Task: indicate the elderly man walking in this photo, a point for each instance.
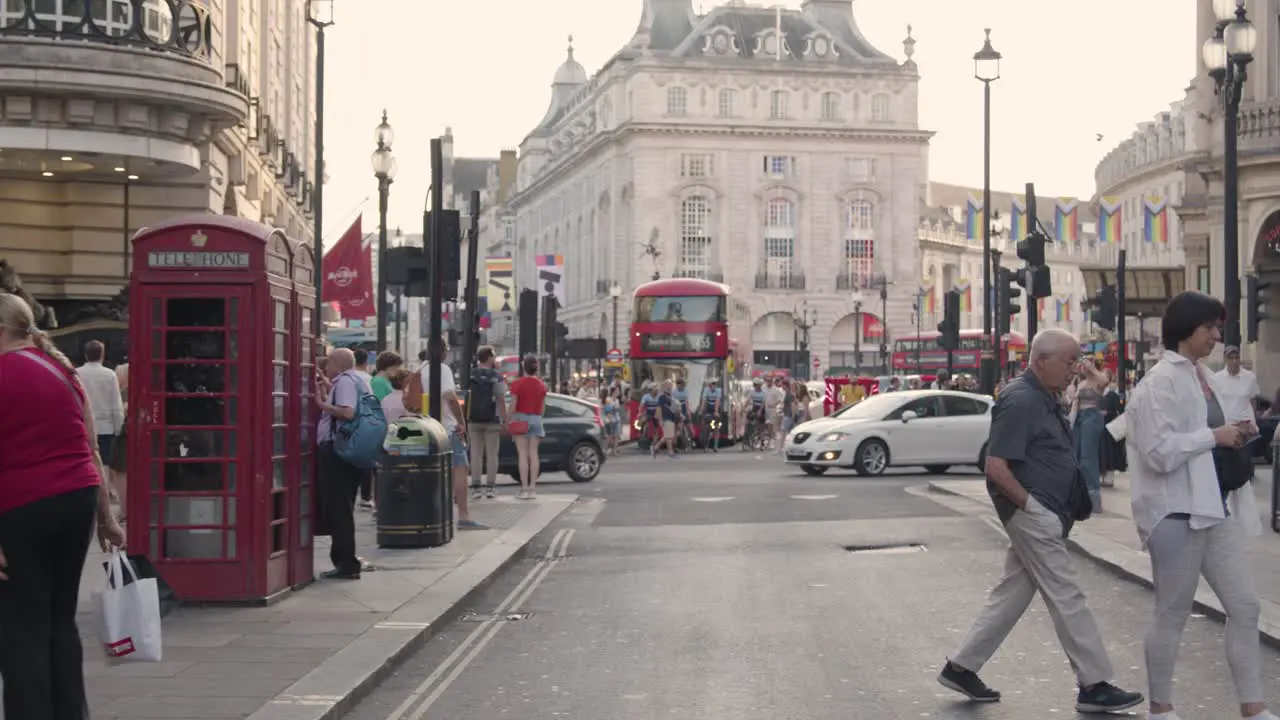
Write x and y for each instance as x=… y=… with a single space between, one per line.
x=1038 y=492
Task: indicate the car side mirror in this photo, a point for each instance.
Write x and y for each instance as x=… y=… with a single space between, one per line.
x=909 y=415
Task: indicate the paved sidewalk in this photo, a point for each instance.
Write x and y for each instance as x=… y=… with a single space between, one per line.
x=1110 y=539
x=310 y=656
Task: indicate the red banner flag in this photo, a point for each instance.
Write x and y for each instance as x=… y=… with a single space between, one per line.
x=348 y=275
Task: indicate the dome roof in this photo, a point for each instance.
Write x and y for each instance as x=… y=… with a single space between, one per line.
x=571 y=72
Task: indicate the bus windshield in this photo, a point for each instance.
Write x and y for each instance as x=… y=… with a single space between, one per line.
x=695 y=371
x=706 y=308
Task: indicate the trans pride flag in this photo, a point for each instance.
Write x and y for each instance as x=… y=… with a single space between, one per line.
x=974 y=217
x=1109 y=208
x=1018 y=219
x=1063 y=314
x=1156 y=227
x=1066 y=221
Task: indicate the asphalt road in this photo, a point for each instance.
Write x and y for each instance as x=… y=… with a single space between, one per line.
x=720 y=588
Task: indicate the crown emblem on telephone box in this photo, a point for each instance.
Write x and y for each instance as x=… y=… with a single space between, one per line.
x=199 y=239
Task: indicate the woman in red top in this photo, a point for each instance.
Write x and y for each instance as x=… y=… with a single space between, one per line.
x=528 y=397
x=50 y=490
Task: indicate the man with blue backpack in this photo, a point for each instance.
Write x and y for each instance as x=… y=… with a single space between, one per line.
x=349 y=438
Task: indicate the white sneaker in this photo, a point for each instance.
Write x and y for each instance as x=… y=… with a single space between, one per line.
x=477 y=494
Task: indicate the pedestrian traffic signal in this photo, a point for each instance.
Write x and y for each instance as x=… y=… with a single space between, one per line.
x=1105 y=307
x=561 y=339
x=1031 y=250
x=949 y=328
x=1257 y=291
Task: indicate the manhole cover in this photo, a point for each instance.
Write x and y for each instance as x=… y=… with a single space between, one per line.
x=887 y=548
x=504 y=617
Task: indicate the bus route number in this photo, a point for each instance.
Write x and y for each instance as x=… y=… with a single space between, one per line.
x=681 y=342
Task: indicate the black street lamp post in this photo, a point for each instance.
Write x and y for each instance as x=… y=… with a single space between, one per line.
x=986 y=67
x=384 y=168
x=1227 y=55
x=320 y=15
x=918 y=308
x=615 y=292
x=804 y=320
x=884 y=324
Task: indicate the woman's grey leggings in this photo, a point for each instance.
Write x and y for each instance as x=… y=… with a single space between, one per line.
x=1179 y=556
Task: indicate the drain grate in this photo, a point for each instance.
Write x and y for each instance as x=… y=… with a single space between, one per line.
x=887 y=548
x=505 y=617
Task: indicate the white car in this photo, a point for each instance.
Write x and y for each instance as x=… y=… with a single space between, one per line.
x=931 y=428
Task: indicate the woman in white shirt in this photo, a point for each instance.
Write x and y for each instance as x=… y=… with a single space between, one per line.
x=1187 y=526
x=393 y=403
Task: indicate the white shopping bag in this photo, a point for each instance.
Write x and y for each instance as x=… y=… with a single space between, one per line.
x=1119 y=428
x=128 y=615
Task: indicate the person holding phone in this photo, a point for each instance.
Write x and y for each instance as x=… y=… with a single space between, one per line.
x=1191 y=523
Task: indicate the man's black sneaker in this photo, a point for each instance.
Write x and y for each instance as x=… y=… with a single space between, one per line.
x=1105 y=697
x=967 y=683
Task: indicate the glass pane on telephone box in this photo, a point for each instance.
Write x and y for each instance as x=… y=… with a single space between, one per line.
x=198 y=449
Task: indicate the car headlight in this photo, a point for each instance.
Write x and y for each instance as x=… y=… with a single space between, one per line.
x=833 y=437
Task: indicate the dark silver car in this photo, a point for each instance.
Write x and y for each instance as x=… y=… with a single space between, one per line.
x=574 y=443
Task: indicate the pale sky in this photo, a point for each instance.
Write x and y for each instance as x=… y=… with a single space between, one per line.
x=484 y=68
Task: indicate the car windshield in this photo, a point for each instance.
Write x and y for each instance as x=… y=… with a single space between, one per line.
x=695 y=372
x=874 y=407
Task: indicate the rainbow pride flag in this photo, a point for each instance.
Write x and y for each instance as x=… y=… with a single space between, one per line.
x=930 y=299
x=966 y=295
x=1156 y=227
x=1063 y=313
x=974 y=217
x=1066 y=221
x=1018 y=219
x=1109 y=209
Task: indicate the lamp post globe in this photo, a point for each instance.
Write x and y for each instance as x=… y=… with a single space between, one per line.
x=986 y=62
x=1225 y=10
x=320 y=12
x=1240 y=39
x=383 y=162
x=615 y=290
x=1214 y=55
x=383 y=135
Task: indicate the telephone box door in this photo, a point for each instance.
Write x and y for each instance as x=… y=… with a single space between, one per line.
x=188 y=379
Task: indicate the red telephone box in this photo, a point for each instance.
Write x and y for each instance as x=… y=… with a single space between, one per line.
x=222 y=418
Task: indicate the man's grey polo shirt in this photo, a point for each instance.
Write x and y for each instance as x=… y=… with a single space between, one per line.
x=1029 y=431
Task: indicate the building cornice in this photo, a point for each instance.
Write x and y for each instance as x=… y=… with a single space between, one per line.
x=1177 y=163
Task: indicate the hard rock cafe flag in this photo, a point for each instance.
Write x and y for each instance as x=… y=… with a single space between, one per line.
x=348 y=275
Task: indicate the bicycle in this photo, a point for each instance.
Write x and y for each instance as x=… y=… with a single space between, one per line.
x=758 y=436
x=709 y=425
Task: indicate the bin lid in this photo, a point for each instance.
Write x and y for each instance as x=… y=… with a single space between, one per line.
x=416 y=432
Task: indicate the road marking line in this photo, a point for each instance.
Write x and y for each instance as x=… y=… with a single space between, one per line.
x=460 y=667
x=711 y=499
x=501 y=610
x=814 y=497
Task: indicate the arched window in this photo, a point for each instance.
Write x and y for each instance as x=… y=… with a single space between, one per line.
x=695 y=238
x=778 y=253
x=859 y=244
x=880 y=107
x=677 y=101
x=830 y=106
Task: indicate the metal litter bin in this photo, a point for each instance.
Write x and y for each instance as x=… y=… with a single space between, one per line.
x=415 y=492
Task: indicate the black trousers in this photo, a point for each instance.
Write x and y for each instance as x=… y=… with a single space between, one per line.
x=339 y=485
x=366 y=486
x=44 y=544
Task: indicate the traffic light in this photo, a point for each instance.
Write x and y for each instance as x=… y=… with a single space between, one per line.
x=1031 y=250
x=949 y=328
x=1259 y=298
x=1008 y=291
x=1105 y=307
x=562 y=338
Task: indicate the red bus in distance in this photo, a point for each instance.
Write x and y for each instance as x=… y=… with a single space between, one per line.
x=966 y=360
x=692 y=329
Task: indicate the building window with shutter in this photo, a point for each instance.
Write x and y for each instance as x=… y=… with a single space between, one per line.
x=830 y=106
x=880 y=107
x=859 y=245
x=695 y=238
x=778 y=105
x=777 y=270
x=727 y=98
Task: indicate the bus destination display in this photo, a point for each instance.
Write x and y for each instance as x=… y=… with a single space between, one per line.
x=677 y=342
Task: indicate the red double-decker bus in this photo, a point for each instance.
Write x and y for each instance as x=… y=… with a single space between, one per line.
x=966 y=359
x=692 y=329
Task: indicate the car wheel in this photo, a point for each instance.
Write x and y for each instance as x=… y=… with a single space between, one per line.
x=982 y=458
x=872 y=458
x=937 y=469
x=814 y=470
x=585 y=460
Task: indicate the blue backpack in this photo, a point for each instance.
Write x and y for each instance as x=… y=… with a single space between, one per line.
x=358 y=441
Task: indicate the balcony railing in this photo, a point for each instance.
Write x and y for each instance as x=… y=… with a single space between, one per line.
x=699 y=274
x=779 y=281
x=1259 y=125
x=182 y=27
